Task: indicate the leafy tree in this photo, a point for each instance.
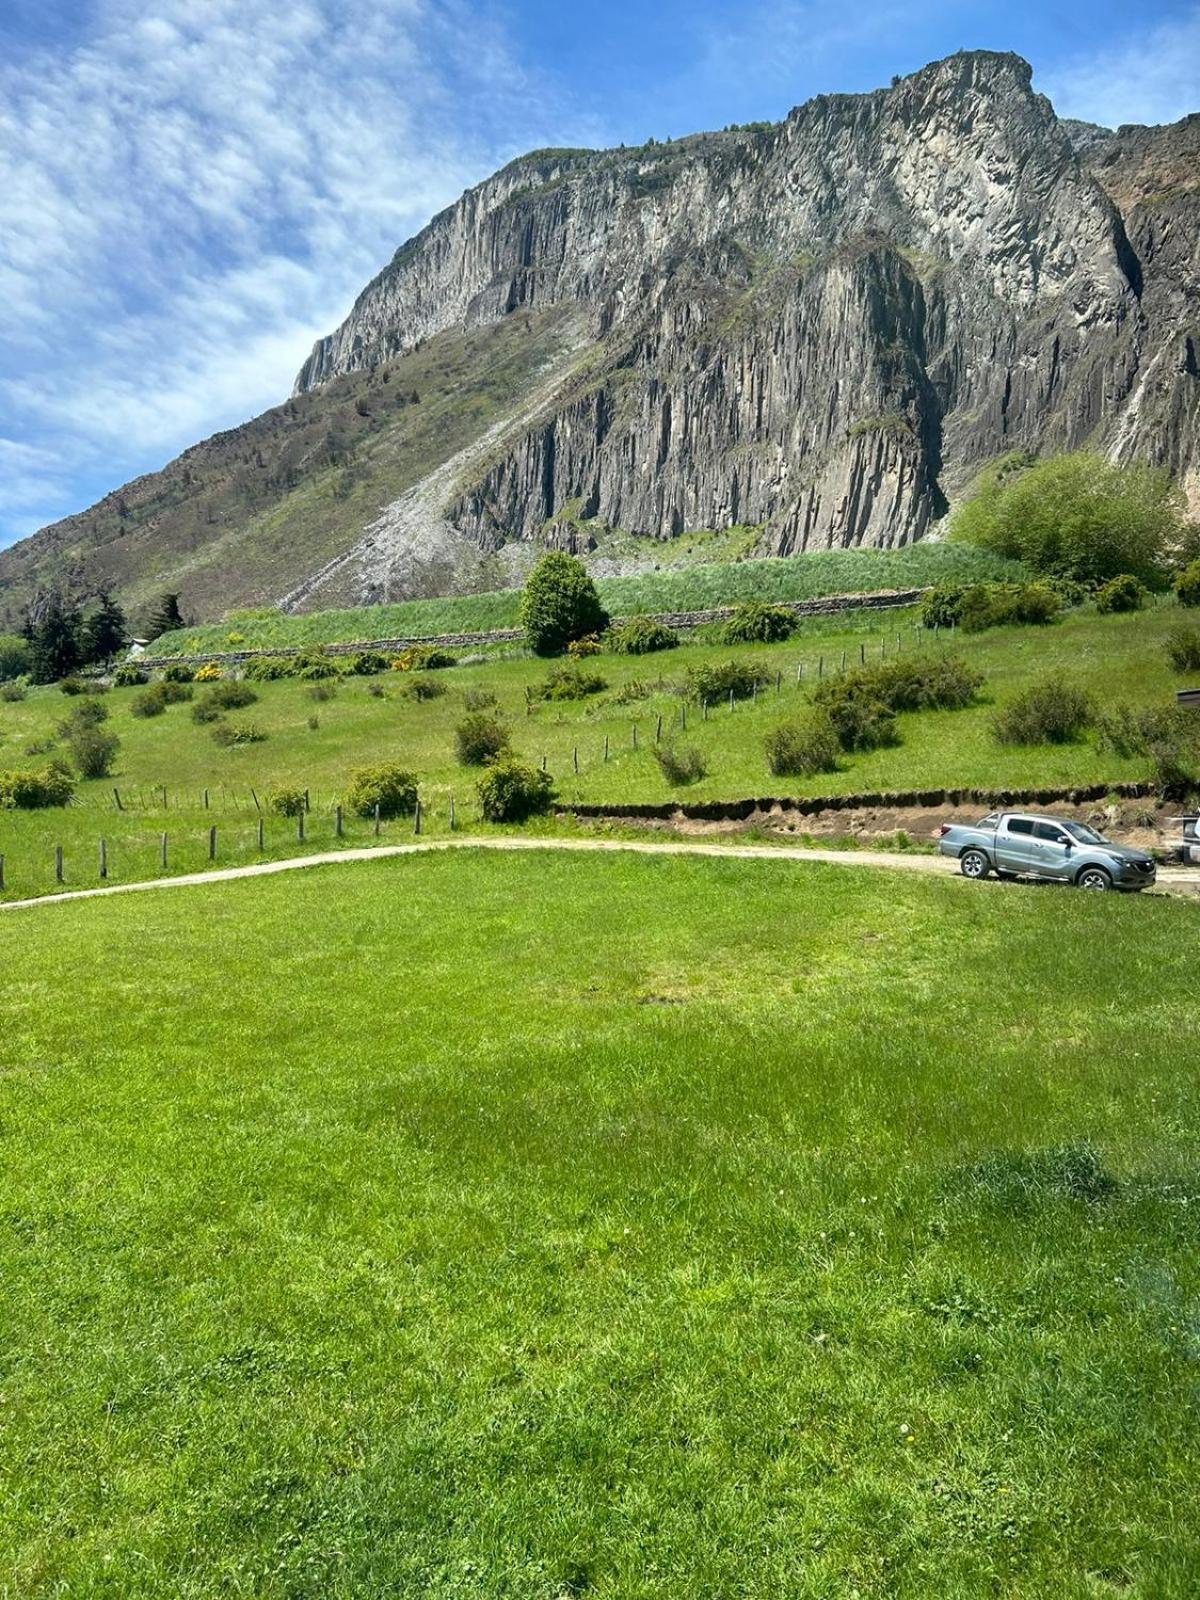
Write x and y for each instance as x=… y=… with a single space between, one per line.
x=559 y=604
x=54 y=650
x=104 y=632
x=1187 y=585
x=14 y=656
x=167 y=617
x=1077 y=516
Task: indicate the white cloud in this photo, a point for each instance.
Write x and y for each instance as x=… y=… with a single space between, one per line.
x=200 y=188
x=1153 y=78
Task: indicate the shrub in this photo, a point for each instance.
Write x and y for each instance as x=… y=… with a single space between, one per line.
x=366 y=664
x=480 y=737
x=14 y=689
x=995 y=605
x=287 y=801
x=559 y=604
x=589 y=645
x=509 y=791
x=753 y=622
x=232 y=735
x=387 y=786
x=73 y=686
x=35 y=791
x=717 y=680
x=312 y=665
x=641 y=636
x=632 y=689
x=93 y=749
x=423 y=658
x=88 y=713
x=1122 y=593
x=942 y=607
x=1051 y=712
x=150 y=703
x=128 y=676
x=269 y=669
x=803 y=747
x=15 y=659
x=322 y=692
x=680 y=766
x=230 y=695
x=862 y=705
x=375 y=690
x=1075 y=516
x=178 y=672
x=570 y=683
x=205 y=711
x=173 y=693
x=479 y=699
x=1183 y=647
x=423 y=688
x=1187 y=585
x=860 y=719
x=210 y=672
x=1168 y=737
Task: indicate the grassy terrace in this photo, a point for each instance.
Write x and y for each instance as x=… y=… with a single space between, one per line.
x=673 y=1228
x=1118 y=658
x=694 y=588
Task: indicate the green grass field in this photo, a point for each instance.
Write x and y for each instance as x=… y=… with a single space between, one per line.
x=540 y=1227
x=690 y=588
x=1118 y=658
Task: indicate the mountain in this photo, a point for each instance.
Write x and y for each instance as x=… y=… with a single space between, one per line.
x=818 y=329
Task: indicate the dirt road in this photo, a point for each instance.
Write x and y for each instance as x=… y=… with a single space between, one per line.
x=1173 y=880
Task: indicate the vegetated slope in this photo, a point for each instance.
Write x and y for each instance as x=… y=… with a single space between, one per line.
x=818 y=329
x=691 y=588
x=726 y=1241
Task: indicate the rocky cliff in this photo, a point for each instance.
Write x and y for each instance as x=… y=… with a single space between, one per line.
x=820 y=328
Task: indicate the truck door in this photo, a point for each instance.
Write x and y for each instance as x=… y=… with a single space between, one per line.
x=1053 y=853
x=1014 y=845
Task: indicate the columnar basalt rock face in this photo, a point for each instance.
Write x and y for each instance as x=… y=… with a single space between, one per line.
x=825 y=326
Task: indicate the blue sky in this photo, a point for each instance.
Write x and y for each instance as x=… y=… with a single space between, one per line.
x=192 y=190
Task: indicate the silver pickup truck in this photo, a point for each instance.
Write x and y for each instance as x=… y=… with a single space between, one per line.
x=1019 y=844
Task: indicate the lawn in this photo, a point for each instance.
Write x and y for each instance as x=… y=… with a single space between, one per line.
x=540 y=1227
x=695 y=587
x=1118 y=658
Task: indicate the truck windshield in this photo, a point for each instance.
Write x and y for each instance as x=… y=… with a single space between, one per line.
x=1084 y=835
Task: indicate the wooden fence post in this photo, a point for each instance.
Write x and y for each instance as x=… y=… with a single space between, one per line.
x=417 y=818
x=633 y=734
x=575 y=758
x=337 y=822
x=117 y=798
x=103 y=859
x=206 y=799
x=704 y=710
x=1 y=874
x=306 y=800
x=452 y=824
x=58 y=863
x=212 y=843
x=658 y=729
x=300 y=825
x=162 y=851
x=862 y=655
x=820 y=666
x=731 y=699
x=377 y=819
x=543 y=763
x=261 y=829
x=843 y=661
x=606 y=747
x=683 y=715
x=254 y=797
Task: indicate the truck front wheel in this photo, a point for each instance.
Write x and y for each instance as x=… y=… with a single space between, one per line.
x=974 y=864
x=1093 y=878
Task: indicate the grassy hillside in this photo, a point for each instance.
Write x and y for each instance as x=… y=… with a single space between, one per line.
x=539 y=1227
x=317 y=743
x=241 y=518
x=696 y=587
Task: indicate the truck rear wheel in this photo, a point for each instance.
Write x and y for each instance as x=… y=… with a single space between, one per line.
x=974 y=864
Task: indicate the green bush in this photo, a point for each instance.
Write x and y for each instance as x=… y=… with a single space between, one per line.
x=1167 y=737
x=1075 y=516
x=88 y=713
x=569 y=683
x=753 y=622
x=803 y=747
x=14 y=689
x=860 y=719
x=681 y=766
x=287 y=801
x=862 y=705
x=72 y=685
x=366 y=664
x=1122 y=593
x=641 y=636
x=15 y=657
x=479 y=738
x=996 y=605
x=152 y=702
x=93 y=749
x=313 y=665
x=173 y=693
x=322 y=692
x=178 y=672
x=35 y=791
x=232 y=735
x=509 y=791
x=479 y=699
x=717 y=680
x=423 y=658
x=230 y=695
x=128 y=676
x=206 y=711
x=387 y=786
x=589 y=645
x=942 y=606
x=1051 y=712
x=1183 y=647
x=559 y=603
x=423 y=688
x=1187 y=585
x=269 y=669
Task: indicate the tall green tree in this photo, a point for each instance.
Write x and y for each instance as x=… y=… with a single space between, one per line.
x=559 y=604
x=54 y=649
x=104 y=632
x=14 y=656
x=167 y=617
x=1076 y=516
